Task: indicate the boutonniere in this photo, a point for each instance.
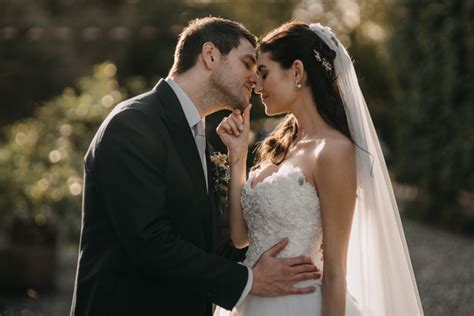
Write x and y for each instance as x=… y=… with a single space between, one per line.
x=221 y=177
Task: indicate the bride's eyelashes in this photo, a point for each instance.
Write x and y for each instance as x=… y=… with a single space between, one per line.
x=262 y=74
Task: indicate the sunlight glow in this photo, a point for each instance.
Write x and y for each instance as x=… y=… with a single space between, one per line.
x=75 y=188
x=107 y=101
x=373 y=31
x=55 y=156
x=65 y=130
x=110 y=70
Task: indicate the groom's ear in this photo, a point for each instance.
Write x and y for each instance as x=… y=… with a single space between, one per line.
x=210 y=55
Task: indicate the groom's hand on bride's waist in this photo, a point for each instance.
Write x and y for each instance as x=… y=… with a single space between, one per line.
x=274 y=276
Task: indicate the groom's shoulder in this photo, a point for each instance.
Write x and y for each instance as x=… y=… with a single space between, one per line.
x=147 y=102
x=146 y=107
x=141 y=111
x=140 y=114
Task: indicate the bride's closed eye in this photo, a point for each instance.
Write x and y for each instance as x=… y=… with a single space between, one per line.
x=262 y=74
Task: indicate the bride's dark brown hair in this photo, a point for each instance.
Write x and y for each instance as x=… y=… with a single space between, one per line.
x=285 y=44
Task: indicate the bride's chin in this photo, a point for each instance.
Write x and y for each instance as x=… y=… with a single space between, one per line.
x=269 y=112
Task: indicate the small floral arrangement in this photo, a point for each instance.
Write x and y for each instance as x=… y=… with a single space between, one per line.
x=221 y=177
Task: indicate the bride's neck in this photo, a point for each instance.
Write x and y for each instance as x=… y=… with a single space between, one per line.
x=310 y=123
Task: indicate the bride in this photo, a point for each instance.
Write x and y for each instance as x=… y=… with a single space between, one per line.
x=320 y=181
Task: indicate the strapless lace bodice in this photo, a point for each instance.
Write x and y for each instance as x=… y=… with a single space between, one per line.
x=284 y=204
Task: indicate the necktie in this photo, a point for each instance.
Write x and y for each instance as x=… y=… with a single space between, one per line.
x=200 y=138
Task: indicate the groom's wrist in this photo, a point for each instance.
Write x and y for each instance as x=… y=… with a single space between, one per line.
x=247 y=288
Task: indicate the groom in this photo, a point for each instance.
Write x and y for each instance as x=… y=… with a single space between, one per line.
x=149 y=233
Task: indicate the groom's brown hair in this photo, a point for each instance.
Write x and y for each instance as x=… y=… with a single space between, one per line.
x=224 y=34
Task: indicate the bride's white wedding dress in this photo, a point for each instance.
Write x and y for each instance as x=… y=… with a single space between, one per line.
x=379 y=270
x=284 y=204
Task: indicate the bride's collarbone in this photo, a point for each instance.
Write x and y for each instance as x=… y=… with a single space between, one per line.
x=269 y=170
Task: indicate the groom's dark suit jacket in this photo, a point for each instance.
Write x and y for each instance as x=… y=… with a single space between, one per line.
x=149 y=236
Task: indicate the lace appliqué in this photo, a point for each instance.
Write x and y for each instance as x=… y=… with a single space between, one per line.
x=284 y=204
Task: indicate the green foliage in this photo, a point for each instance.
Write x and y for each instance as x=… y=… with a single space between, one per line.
x=418 y=88
x=432 y=48
x=41 y=163
x=363 y=27
x=46 y=45
x=56 y=41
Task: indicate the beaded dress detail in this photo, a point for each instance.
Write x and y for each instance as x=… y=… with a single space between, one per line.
x=284 y=204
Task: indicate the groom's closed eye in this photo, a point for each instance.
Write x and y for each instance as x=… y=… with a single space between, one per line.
x=249 y=62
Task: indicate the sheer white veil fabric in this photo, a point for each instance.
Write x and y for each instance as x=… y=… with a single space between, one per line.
x=379 y=270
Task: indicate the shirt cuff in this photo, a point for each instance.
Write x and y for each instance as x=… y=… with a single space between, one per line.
x=247 y=288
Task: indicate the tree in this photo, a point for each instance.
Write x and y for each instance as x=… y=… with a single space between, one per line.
x=432 y=48
x=41 y=163
x=363 y=28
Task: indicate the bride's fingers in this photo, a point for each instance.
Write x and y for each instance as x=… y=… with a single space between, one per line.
x=246 y=115
x=237 y=118
x=224 y=128
x=233 y=125
x=237 y=113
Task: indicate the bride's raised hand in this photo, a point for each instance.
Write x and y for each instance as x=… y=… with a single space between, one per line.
x=234 y=131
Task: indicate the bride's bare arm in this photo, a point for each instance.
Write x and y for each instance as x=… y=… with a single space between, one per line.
x=234 y=133
x=336 y=180
x=237 y=226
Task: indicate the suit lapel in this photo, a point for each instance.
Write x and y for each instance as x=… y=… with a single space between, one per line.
x=182 y=137
x=210 y=170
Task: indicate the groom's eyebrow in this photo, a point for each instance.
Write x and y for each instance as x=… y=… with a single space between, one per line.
x=252 y=59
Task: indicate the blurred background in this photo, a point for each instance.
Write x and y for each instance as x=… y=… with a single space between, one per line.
x=64 y=64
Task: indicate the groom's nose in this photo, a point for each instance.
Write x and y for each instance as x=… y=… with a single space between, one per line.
x=253 y=79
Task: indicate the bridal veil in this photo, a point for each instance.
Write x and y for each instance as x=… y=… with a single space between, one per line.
x=379 y=271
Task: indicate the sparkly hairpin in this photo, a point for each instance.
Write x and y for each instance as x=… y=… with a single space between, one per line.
x=327 y=65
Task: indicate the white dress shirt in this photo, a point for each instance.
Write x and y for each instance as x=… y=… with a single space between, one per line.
x=193 y=118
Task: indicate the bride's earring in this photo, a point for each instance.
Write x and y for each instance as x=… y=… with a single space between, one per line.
x=298 y=85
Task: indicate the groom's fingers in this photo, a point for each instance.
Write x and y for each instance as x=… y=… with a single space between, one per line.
x=277 y=248
x=304 y=268
x=306 y=276
x=305 y=290
x=297 y=261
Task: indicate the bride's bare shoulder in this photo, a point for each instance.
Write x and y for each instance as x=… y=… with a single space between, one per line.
x=333 y=153
x=333 y=148
x=334 y=162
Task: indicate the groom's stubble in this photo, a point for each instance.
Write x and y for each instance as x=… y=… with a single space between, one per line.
x=226 y=89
